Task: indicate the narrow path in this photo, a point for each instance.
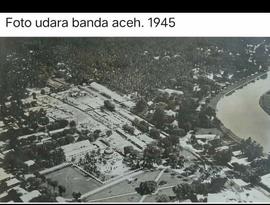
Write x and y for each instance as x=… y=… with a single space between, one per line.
x=115 y=196
x=156 y=180
x=130 y=193
x=84 y=196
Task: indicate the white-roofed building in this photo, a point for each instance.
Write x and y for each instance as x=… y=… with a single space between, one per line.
x=222 y=148
x=20 y=190
x=12 y=182
x=29 y=163
x=171 y=91
x=30 y=195
x=170 y=113
x=207 y=137
x=265 y=179
x=4 y=176
x=237 y=153
x=77 y=150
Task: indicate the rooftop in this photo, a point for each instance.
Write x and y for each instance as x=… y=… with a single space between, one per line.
x=4 y=175
x=77 y=146
x=207 y=136
x=12 y=182
x=240 y=182
x=171 y=91
x=266 y=180
x=29 y=163
x=237 y=153
x=30 y=195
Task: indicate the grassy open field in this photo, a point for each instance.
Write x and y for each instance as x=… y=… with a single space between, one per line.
x=125 y=198
x=73 y=180
x=124 y=187
x=165 y=191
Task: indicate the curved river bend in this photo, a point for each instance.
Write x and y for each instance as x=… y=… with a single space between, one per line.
x=241 y=113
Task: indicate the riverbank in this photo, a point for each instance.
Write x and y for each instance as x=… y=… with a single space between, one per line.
x=231 y=88
x=264 y=102
x=227 y=91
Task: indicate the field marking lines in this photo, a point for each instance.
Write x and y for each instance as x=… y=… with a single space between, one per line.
x=156 y=180
x=110 y=184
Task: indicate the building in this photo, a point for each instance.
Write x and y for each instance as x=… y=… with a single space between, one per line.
x=29 y=163
x=265 y=180
x=239 y=184
x=12 y=182
x=77 y=150
x=57 y=84
x=4 y=176
x=237 y=153
x=30 y=195
x=207 y=137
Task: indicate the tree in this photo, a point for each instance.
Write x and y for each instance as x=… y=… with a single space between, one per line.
x=108 y=133
x=175 y=160
x=34 y=95
x=42 y=92
x=184 y=191
x=128 y=129
x=151 y=155
x=154 y=133
x=128 y=150
x=251 y=149
x=223 y=157
x=76 y=196
x=216 y=185
x=147 y=187
x=141 y=125
x=72 y=124
x=140 y=106
x=109 y=105
x=61 y=190
x=34 y=182
x=158 y=118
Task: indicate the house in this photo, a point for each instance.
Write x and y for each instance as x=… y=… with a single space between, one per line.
x=171 y=91
x=237 y=153
x=30 y=195
x=29 y=163
x=222 y=148
x=265 y=180
x=12 y=182
x=77 y=150
x=207 y=137
x=4 y=176
x=57 y=84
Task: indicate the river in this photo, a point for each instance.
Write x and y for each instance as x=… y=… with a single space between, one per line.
x=241 y=113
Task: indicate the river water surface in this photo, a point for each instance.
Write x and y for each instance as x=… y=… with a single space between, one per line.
x=241 y=113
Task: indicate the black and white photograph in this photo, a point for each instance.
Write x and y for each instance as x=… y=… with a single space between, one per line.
x=134 y=119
